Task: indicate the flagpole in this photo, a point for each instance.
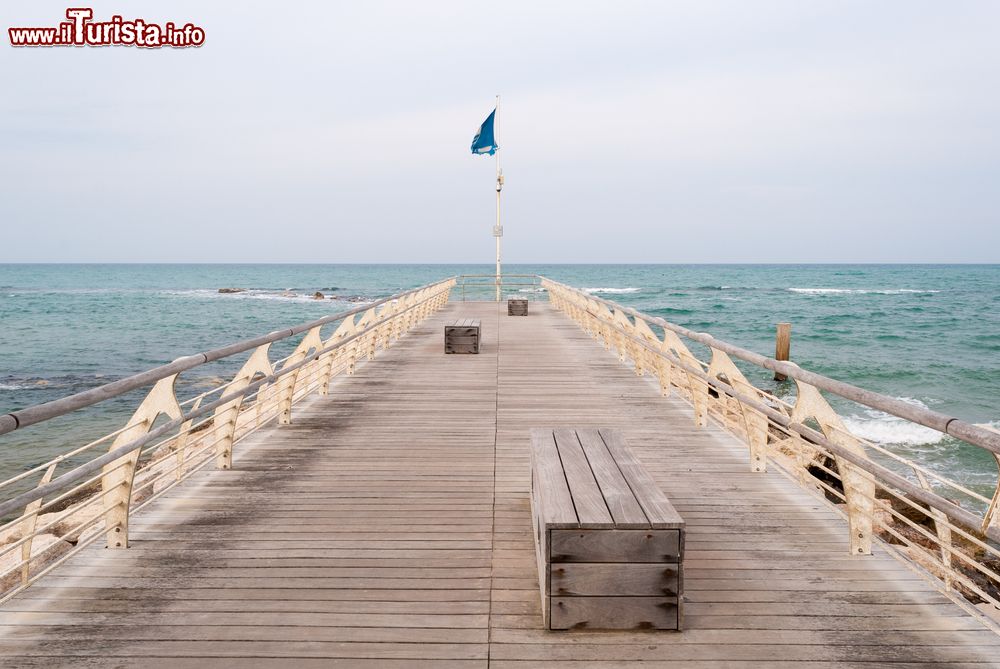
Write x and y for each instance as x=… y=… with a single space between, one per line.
x=498 y=229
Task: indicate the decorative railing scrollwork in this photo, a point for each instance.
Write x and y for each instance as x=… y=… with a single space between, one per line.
x=912 y=508
x=47 y=523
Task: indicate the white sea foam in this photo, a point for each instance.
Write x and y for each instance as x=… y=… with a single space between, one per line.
x=13 y=386
x=861 y=291
x=252 y=294
x=882 y=428
x=613 y=291
x=531 y=290
x=70 y=291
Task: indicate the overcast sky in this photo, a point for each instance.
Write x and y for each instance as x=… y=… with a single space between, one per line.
x=337 y=131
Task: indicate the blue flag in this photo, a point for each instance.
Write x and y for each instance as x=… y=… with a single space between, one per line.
x=484 y=141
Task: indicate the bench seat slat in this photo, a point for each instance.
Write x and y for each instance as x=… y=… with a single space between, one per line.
x=556 y=502
x=659 y=510
x=618 y=496
x=587 y=496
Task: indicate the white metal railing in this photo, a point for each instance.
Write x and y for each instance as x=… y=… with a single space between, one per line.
x=915 y=511
x=483 y=286
x=45 y=524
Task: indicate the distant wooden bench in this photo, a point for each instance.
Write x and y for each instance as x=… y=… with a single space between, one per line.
x=608 y=542
x=462 y=336
x=517 y=307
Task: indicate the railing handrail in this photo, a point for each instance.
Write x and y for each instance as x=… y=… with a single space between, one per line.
x=493 y=276
x=935 y=420
x=932 y=499
x=145 y=459
x=953 y=546
x=42 y=412
x=91 y=466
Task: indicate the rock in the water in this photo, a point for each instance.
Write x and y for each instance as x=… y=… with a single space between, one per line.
x=226 y=291
x=318 y=296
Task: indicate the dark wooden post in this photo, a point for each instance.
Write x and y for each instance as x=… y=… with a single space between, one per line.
x=782 y=346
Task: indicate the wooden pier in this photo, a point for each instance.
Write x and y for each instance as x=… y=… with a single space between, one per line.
x=389 y=525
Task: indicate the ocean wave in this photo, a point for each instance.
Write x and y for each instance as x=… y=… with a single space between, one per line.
x=881 y=428
x=70 y=382
x=277 y=296
x=861 y=291
x=40 y=384
x=353 y=299
x=612 y=291
x=531 y=290
x=16 y=290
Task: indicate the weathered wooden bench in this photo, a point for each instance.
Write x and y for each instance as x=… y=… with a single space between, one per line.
x=462 y=336
x=517 y=307
x=608 y=542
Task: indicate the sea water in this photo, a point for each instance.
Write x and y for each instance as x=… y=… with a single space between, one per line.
x=927 y=334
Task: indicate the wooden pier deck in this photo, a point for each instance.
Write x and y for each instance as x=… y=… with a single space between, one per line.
x=389 y=526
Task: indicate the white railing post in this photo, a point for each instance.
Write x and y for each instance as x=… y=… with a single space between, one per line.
x=119 y=475
x=226 y=416
x=754 y=422
x=286 y=384
x=180 y=453
x=859 y=490
x=943 y=531
x=346 y=329
x=28 y=526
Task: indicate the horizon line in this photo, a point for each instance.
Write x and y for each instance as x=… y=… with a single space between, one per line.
x=490 y=264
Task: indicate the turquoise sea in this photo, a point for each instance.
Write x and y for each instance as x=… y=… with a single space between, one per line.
x=929 y=334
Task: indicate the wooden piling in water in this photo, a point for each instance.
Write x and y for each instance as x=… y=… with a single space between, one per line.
x=782 y=346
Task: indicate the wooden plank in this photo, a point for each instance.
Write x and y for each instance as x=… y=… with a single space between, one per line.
x=587 y=498
x=628 y=580
x=614 y=545
x=541 y=535
x=614 y=613
x=659 y=510
x=552 y=489
x=618 y=496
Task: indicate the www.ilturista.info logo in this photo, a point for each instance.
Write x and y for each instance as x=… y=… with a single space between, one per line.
x=81 y=30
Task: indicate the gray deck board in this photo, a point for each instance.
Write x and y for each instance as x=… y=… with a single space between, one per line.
x=390 y=526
